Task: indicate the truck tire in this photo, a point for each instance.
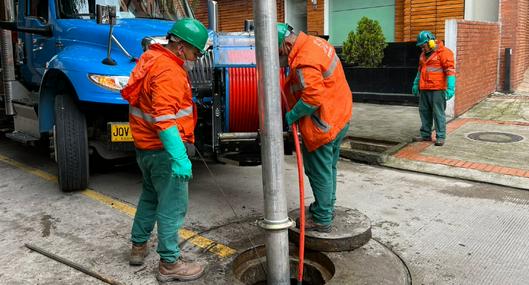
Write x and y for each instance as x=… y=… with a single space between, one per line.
x=71 y=144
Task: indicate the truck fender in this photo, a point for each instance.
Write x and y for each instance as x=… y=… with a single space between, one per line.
x=53 y=82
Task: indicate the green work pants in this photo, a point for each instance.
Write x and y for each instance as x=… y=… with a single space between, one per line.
x=432 y=105
x=163 y=200
x=320 y=167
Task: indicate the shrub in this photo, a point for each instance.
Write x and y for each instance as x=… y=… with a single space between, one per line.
x=365 y=47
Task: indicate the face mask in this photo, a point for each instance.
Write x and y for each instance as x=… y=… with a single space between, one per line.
x=189 y=65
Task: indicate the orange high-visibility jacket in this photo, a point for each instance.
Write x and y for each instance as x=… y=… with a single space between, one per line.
x=317 y=78
x=159 y=95
x=436 y=68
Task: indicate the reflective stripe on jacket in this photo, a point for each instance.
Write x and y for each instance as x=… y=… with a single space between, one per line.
x=317 y=78
x=159 y=95
x=436 y=68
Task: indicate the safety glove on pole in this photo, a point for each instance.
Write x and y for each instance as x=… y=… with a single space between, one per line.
x=301 y=109
x=415 y=88
x=173 y=144
x=450 y=87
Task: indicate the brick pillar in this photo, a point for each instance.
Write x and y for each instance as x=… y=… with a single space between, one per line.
x=315 y=18
x=399 y=20
x=508 y=14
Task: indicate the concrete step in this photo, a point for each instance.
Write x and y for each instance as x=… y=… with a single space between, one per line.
x=367 y=150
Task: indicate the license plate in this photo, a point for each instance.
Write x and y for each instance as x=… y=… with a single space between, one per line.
x=120 y=132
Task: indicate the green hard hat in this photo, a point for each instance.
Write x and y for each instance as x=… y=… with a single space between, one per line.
x=191 y=31
x=283 y=30
x=423 y=37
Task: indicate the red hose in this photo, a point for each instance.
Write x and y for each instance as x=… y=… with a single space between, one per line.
x=301 y=205
x=242 y=93
x=301 y=196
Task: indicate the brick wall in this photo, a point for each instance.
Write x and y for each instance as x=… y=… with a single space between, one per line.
x=514 y=19
x=477 y=63
x=315 y=18
x=232 y=13
x=522 y=45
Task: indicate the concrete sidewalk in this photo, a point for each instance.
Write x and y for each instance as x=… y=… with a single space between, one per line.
x=489 y=143
x=384 y=122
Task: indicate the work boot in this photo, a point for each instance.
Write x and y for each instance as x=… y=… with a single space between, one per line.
x=179 y=271
x=138 y=254
x=439 y=142
x=421 y=139
x=311 y=225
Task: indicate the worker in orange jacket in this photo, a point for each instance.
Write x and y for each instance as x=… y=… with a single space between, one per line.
x=321 y=101
x=162 y=119
x=435 y=84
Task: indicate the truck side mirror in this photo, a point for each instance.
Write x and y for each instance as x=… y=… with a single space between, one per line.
x=105 y=14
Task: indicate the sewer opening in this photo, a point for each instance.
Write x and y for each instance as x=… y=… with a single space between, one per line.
x=366 y=144
x=249 y=267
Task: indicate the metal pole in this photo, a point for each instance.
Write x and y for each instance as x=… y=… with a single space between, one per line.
x=276 y=220
x=213 y=15
x=73 y=265
x=8 y=70
x=507 y=81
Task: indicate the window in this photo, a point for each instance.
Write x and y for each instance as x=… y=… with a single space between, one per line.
x=38 y=9
x=155 y=9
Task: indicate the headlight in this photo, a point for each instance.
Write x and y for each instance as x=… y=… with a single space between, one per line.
x=115 y=83
x=147 y=41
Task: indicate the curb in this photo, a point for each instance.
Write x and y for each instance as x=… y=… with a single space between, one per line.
x=457 y=172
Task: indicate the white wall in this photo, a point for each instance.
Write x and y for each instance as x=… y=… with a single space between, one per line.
x=481 y=10
x=296 y=14
x=451 y=43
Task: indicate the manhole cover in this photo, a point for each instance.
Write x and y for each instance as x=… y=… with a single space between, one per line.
x=495 y=137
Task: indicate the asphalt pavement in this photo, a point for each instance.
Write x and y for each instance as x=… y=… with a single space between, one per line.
x=447 y=228
x=448 y=231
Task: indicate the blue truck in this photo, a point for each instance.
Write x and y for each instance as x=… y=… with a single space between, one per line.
x=64 y=63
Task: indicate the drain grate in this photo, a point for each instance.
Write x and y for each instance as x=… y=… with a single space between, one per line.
x=495 y=137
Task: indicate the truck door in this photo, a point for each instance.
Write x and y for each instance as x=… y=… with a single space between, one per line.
x=39 y=49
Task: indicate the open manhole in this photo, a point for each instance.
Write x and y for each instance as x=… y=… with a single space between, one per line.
x=495 y=137
x=249 y=267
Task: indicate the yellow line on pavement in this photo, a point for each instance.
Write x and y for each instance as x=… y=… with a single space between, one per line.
x=194 y=238
x=116 y=204
x=27 y=168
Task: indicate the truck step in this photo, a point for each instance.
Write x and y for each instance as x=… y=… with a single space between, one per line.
x=22 y=137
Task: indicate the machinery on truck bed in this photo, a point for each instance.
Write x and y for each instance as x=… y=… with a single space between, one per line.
x=64 y=63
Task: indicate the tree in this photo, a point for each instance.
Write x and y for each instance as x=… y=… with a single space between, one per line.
x=365 y=47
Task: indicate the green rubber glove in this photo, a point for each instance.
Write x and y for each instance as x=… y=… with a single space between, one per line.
x=301 y=109
x=173 y=144
x=450 y=87
x=415 y=88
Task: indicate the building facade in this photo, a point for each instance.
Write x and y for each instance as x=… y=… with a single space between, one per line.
x=401 y=21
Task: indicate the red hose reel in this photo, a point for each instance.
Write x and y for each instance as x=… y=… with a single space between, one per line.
x=242 y=102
